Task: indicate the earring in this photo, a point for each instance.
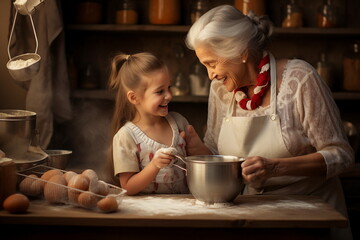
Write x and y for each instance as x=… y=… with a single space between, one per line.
x=243 y=61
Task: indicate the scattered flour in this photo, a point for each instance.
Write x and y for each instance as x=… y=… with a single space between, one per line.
x=151 y=205
x=19 y=64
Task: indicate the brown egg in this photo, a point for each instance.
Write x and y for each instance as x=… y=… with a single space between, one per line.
x=79 y=182
x=16 y=203
x=90 y=174
x=87 y=200
x=48 y=174
x=99 y=187
x=31 y=186
x=55 y=190
x=108 y=204
x=68 y=175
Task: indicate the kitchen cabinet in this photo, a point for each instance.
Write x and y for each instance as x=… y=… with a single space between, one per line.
x=180 y=217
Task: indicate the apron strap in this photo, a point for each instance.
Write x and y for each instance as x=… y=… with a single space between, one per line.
x=273 y=86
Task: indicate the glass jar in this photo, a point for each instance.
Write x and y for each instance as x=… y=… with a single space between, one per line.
x=181 y=85
x=126 y=13
x=327 y=15
x=164 y=11
x=245 y=6
x=199 y=7
x=293 y=15
x=89 y=78
x=199 y=80
x=352 y=69
x=89 y=12
x=325 y=71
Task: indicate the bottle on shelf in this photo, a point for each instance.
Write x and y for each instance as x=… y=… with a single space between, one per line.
x=199 y=7
x=245 y=6
x=327 y=15
x=293 y=15
x=89 y=78
x=180 y=87
x=352 y=69
x=164 y=12
x=199 y=80
x=324 y=69
x=89 y=12
x=126 y=12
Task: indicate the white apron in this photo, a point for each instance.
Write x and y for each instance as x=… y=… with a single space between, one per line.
x=261 y=136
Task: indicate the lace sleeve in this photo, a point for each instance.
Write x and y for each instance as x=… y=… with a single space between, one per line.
x=321 y=122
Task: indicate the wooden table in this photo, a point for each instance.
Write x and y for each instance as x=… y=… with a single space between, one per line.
x=174 y=217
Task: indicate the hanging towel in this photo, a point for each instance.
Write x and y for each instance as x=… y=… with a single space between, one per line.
x=49 y=91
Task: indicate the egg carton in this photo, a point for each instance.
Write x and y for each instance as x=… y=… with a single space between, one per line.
x=31 y=184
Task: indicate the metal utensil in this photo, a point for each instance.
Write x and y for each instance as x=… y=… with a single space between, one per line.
x=25 y=66
x=213 y=178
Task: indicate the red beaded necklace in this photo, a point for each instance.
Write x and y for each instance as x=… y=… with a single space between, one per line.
x=262 y=84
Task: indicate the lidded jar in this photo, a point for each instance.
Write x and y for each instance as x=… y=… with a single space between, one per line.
x=199 y=7
x=164 y=11
x=324 y=69
x=293 y=16
x=126 y=12
x=352 y=69
x=327 y=15
x=89 y=12
x=245 y=6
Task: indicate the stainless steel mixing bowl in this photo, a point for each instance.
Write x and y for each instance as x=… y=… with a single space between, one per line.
x=17 y=129
x=214 y=178
x=58 y=158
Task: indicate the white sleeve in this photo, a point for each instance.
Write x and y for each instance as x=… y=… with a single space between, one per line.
x=125 y=152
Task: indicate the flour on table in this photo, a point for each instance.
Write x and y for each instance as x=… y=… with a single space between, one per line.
x=187 y=206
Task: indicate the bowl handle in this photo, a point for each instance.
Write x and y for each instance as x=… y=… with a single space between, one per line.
x=182 y=159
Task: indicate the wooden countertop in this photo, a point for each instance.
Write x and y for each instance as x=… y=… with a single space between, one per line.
x=257 y=211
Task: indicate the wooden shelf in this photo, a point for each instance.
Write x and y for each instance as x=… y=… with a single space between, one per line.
x=185 y=28
x=107 y=95
x=346 y=95
x=128 y=28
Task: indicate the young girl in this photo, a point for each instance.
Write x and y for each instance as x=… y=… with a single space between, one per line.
x=146 y=135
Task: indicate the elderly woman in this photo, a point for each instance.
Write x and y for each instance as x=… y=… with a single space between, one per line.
x=279 y=114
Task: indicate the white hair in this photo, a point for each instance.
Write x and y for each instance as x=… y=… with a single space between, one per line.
x=229 y=32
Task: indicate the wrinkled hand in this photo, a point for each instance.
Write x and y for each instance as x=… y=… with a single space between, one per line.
x=163 y=157
x=256 y=170
x=194 y=145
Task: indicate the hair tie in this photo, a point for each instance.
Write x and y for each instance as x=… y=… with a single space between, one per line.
x=253 y=18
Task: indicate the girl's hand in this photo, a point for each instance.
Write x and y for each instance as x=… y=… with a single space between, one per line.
x=194 y=145
x=256 y=170
x=163 y=157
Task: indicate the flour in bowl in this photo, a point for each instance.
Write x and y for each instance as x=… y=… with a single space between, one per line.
x=20 y=63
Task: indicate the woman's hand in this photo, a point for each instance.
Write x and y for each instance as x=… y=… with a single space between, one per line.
x=258 y=170
x=194 y=145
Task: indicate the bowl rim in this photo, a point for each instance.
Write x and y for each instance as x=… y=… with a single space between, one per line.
x=37 y=60
x=28 y=114
x=57 y=152
x=225 y=159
